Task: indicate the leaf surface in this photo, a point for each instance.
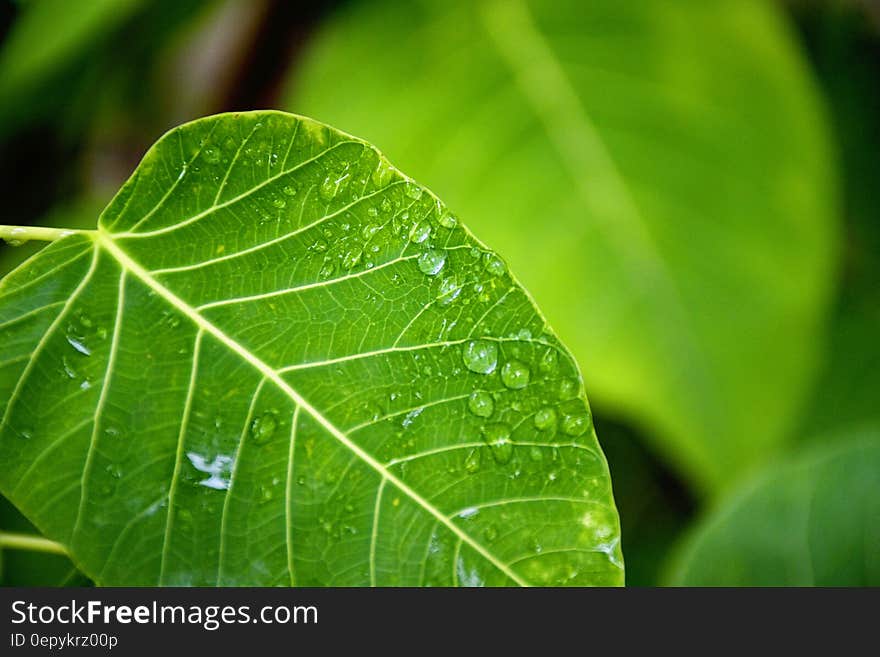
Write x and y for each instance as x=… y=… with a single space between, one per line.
x=813 y=521
x=658 y=173
x=280 y=361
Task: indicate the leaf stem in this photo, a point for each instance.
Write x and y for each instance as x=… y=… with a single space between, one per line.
x=40 y=233
x=30 y=542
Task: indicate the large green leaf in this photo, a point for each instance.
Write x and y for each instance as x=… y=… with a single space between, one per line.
x=657 y=172
x=280 y=361
x=814 y=521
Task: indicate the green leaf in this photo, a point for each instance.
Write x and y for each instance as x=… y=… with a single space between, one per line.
x=814 y=521
x=280 y=361
x=657 y=172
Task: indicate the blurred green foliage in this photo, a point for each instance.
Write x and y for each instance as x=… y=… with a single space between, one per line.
x=727 y=327
x=658 y=173
x=812 y=521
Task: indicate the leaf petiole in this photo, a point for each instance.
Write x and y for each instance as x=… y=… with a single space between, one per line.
x=30 y=542
x=21 y=234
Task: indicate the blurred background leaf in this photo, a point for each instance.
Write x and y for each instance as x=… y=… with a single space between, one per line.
x=812 y=521
x=845 y=48
x=670 y=165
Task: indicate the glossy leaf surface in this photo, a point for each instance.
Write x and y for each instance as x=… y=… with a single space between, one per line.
x=280 y=361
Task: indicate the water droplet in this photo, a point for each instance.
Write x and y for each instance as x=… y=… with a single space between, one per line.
x=279 y=202
x=301 y=480
x=515 y=374
x=449 y=290
x=352 y=258
x=266 y=493
x=491 y=533
x=211 y=155
x=382 y=174
x=576 y=422
x=410 y=417
x=493 y=265
x=535 y=453
x=469 y=512
x=472 y=461
x=431 y=261
x=218 y=469
x=497 y=437
x=289 y=190
x=549 y=361
x=327 y=270
x=420 y=232
x=114 y=470
x=448 y=221
x=480 y=356
x=332 y=183
x=263 y=428
x=68 y=369
x=481 y=404
x=568 y=388
x=369 y=230
x=545 y=418
x=412 y=190
x=77 y=344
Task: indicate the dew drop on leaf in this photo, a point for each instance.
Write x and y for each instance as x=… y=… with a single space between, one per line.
x=481 y=404
x=263 y=428
x=352 y=258
x=497 y=437
x=420 y=232
x=493 y=265
x=549 y=361
x=448 y=221
x=431 y=262
x=413 y=191
x=568 y=388
x=382 y=174
x=480 y=356
x=370 y=229
x=449 y=290
x=545 y=418
x=211 y=155
x=575 y=423
x=515 y=374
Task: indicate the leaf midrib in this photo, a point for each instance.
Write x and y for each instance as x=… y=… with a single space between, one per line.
x=106 y=241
